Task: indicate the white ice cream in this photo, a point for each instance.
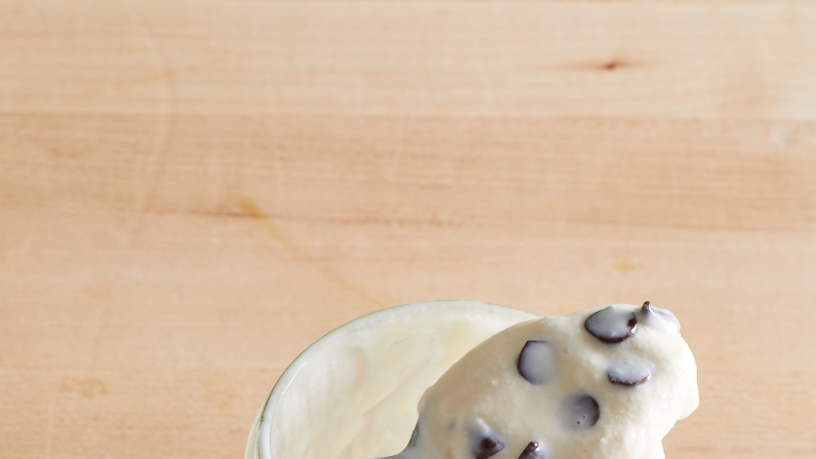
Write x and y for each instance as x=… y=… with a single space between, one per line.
x=608 y=385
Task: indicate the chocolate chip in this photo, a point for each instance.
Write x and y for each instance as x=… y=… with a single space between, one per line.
x=581 y=412
x=536 y=362
x=487 y=447
x=612 y=324
x=661 y=319
x=531 y=452
x=628 y=376
x=414 y=436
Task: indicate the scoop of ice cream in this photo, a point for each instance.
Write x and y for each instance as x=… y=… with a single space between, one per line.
x=603 y=383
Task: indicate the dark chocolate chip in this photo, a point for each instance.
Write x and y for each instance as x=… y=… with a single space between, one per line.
x=581 y=412
x=487 y=447
x=661 y=319
x=612 y=324
x=531 y=452
x=414 y=436
x=627 y=376
x=536 y=361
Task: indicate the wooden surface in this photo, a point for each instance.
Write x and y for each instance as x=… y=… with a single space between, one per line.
x=192 y=192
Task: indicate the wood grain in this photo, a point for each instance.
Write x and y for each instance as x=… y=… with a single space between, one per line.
x=192 y=192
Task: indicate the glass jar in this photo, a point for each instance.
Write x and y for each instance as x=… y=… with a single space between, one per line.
x=353 y=393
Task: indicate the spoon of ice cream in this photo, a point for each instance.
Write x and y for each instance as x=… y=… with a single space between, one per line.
x=606 y=383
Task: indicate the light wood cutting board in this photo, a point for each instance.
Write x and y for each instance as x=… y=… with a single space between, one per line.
x=191 y=192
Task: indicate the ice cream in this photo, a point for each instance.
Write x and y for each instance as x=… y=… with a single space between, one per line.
x=603 y=383
x=607 y=383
